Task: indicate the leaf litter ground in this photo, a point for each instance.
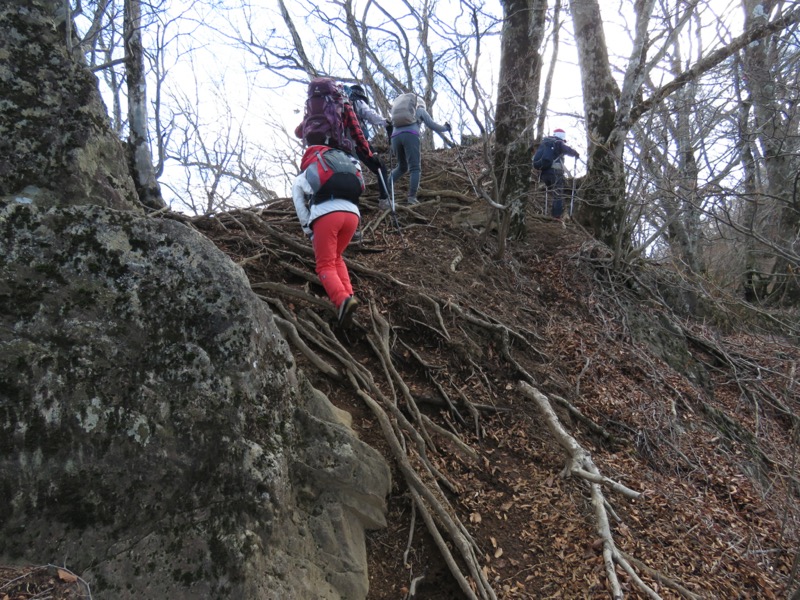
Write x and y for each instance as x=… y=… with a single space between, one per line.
x=718 y=510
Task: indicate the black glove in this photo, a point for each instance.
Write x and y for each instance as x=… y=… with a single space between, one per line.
x=448 y=127
x=374 y=163
x=389 y=128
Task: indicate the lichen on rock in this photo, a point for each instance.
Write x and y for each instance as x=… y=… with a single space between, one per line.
x=155 y=428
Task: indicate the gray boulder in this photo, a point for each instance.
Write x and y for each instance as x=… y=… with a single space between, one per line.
x=156 y=436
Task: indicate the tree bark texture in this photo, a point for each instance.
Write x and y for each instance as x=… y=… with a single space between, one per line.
x=777 y=139
x=141 y=159
x=520 y=69
x=603 y=190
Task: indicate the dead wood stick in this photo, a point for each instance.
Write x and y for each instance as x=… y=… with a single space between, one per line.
x=250 y=259
x=452 y=437
x=289 y=240
x=417 y=487
x=444 y=550
x=420 y=435
x=287 y=290
x=480 y=407
x=303 y=327
x=575 y=412
x=384 y=363
x=410 y=534
x=604 y=530
x=432 y=495
x=438 y=312
x=472 y=408
x=380 y=328
x=305 y=274
x=580 y=462
x=450 y=405
x=502 y=331
x=660 y=577
x=359 y=268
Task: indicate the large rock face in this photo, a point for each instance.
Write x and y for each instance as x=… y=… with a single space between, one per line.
x=155 y=433
x=56 y=142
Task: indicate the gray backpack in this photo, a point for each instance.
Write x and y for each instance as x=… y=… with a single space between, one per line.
x=404 y=110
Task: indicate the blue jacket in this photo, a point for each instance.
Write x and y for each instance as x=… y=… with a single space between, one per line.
x=561 y=148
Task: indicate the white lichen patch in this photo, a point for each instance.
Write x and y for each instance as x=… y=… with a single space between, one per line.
x=139 y=429
x=94 y=413
x=114 y=239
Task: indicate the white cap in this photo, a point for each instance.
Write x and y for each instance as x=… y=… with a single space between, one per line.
x=560 y=134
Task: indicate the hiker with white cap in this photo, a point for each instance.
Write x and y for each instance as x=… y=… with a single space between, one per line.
x=549 y=161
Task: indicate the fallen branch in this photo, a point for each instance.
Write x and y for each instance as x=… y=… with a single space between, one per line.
x=580 y=464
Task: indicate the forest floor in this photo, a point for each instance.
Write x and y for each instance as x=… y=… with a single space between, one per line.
x=709 y=451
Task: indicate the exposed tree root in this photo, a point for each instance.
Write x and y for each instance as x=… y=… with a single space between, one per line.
x=400 y=379
x=580 y=464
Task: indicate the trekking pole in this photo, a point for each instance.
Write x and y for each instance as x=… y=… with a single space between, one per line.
x=545 y=200
x=574 y=176
x=392 y=212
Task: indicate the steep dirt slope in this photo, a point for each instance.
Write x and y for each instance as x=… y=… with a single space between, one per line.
x=707 y=447
x=695 y=421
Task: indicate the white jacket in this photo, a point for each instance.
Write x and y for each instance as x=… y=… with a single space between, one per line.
x=367 y=115
x=302 y=193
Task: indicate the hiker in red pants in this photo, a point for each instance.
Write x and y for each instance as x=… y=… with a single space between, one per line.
x=325 y=198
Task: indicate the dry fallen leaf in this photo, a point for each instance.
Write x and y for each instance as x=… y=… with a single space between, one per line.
x=498 y=553
x=475 y=518
x=67 y=576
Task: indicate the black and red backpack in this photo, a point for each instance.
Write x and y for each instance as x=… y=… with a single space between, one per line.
x=332 y=174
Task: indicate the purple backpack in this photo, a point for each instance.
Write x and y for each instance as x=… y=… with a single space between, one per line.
x=323 y=123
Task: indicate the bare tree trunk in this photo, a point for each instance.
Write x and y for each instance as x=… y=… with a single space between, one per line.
x=140 y=157
x=684 y=229
x=603 y=190
x=520 y=69
x=762 y=68
x=358 y=34
x=548 y=82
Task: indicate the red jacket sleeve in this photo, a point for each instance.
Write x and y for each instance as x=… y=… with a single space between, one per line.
x=350 y=121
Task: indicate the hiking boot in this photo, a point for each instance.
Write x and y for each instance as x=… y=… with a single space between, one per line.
x=384 y=204
x=346 y=311
x=357 y=237
x=412 y=200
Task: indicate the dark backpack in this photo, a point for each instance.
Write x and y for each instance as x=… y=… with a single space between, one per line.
x=355 y=92
x=332 y=174
x=545 y=154
x=323 y=122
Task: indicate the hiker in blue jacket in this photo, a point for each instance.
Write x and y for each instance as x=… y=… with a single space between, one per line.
x=552 y=151
x=408 y=115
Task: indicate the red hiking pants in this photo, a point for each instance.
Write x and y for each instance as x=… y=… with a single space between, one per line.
x=332 y=234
